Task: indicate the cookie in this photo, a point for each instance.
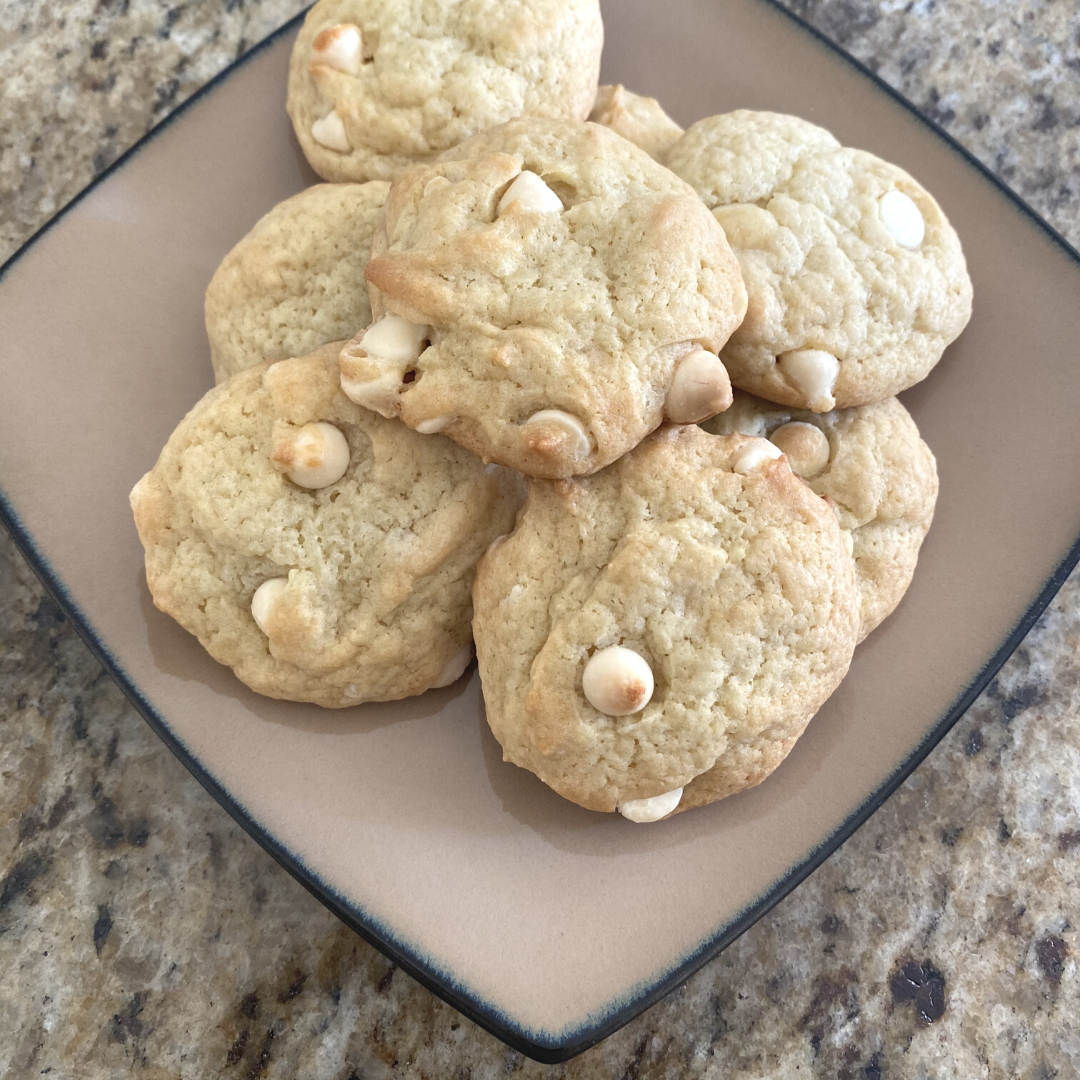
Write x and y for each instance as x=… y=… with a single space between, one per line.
x=657 y=636
x=855 y=278
x=377 y=86
x=550 y=295
x=296 y=281
x=639 y=119
x=876 y=472
x=323 y=553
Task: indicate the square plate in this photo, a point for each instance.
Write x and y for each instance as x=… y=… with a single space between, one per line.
x=548 y=925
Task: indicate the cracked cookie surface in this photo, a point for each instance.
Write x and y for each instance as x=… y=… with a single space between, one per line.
x=355 y=587
x=729 y=579
x=560 y=278
x=296 y=280
x=856 y=280
x=377 y=86
x=878 y=474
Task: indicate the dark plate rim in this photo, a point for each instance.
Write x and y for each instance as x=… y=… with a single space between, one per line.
x=543 y=1047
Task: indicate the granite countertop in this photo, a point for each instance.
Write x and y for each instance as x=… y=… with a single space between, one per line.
x=143 y=933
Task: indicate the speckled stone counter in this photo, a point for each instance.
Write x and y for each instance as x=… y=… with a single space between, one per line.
x=142 y=933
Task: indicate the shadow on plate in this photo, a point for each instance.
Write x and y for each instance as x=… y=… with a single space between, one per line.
x=572 y=828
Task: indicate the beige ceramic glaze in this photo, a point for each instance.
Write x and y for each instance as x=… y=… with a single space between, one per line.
x=549 y=924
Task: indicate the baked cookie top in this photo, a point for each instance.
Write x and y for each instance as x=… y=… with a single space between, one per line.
x=855 y=278
x=664 y=629
x=551 y=293
x=296 y=281
x=377 y=86
x=639 y=119
x=877 y=474
x=323 y=553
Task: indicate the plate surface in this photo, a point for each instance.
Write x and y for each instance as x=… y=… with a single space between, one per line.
x=547 y=924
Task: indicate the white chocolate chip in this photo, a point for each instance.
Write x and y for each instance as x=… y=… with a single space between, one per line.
x=804 y=445
x=394 y=338
x=617 y=681
x=339 y=47
x=265 y=599
x=454 y=668
x=565 y=428
x=330 y=132
x=435 y=425
x=756 y=454
x=379 y=394
x=436 y=183
x=373 y=368
x=700 y=388
x=903 y=219
x=849 y=541
x=316 y=456
x=813 y=373
x=532 y=195
x=646 y=810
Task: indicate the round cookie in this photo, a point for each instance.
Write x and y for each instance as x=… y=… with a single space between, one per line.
x=725 y=575
x=639 y=119
x=323 y=553
x=296 y=281
x=855 y=278
x=551 y=294
x=871 y=465
x=377 y=86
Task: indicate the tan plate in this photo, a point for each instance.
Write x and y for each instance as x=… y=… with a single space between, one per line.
x=549 y=925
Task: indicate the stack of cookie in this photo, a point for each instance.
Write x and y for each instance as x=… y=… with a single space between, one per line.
x=478 y=388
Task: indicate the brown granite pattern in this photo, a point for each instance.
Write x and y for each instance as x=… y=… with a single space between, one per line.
x=142 y=933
